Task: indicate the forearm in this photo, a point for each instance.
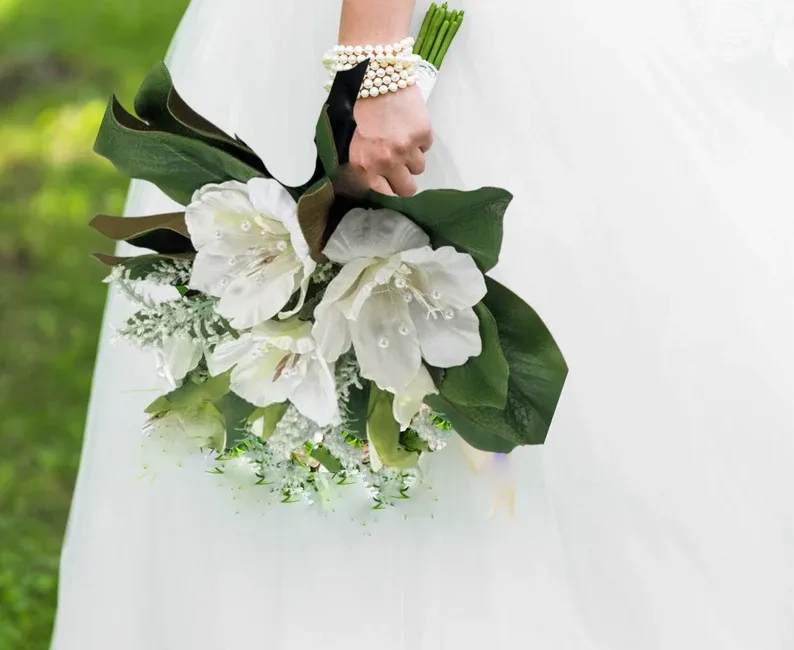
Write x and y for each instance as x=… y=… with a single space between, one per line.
x=375 y=22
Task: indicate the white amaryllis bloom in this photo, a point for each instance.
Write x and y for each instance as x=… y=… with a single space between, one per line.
x=398 y=301
x=251 y=251
x=277 y=361
x=176 y=357
x=408 y=402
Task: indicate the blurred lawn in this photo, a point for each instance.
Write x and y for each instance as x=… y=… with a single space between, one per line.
x=59 y=62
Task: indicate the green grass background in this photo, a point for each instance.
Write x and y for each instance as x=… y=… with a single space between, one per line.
x=59 y=62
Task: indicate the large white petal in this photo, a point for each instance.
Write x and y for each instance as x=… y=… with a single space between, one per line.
x=272 y=201
x=315 y=396
x=177 y=357
x=304 y=280
x=215 y=220
x=331 y=331
x=345 y=280
x=209 y=271
x=394 y=366
x=253 y=298
x=230 y=353
x=258 y=380
x=373 y=233
x=293 y=335
x=447 y=343
x=407 y=404
x=453 y=274
x=374 y=278
x=291 y=223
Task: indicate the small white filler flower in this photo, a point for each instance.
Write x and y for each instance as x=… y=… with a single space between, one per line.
x=251 y=251
x=277 y=361
x=398 y=301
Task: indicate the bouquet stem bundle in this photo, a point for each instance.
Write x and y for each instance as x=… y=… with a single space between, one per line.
x=438 y=30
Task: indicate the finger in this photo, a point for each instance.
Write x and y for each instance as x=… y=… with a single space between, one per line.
x=401 y=181
x=415 y=161
x=381 y=185
x=425 y=141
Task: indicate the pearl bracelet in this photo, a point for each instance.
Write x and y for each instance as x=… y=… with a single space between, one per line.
x=391 y=67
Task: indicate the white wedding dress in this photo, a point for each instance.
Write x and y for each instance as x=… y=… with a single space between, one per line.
x=650 y=146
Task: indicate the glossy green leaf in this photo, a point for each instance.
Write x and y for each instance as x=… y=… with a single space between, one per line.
x=537 y=376
x=383 y=432
x=482 y=380
x=235 y=411
x=469 y=221
x=159 y=104
x=324 y=140
x=313 y=210
x=193 y=392
x=166 y=234
x=357 y=410
x=177 y=164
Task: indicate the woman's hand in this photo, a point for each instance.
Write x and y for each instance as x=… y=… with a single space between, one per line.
x=391 y=140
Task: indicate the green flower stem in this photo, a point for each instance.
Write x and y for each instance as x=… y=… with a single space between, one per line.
x=438 y=19
x=425 y=27
x=439 y=60
x=439 y=41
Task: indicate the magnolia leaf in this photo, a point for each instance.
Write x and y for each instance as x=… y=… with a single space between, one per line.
x=469 y=221
x=324 y=457
x=313 y=210
x=235 y=411
x=537 y=376
x=177 y=164
x=165 y=233
x=161 y=106
x=327 y=154
x=269 y=416
x=383 y=432
x=482 y=380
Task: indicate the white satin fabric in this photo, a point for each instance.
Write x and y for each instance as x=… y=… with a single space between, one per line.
x=650 y=146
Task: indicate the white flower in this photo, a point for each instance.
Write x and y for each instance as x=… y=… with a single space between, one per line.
x=275 y=362
x=397 y=301
x=176 y=357
x=251 y=251
x=407 y=403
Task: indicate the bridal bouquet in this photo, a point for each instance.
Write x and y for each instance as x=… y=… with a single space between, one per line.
x=323 y=332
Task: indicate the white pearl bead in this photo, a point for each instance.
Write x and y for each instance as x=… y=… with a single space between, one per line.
x=357 y=50
x=402 y=83
x=393 y=87
x=370 y=74
x=383 y=342
x=398 y=47
x=380 y=58
x=404 y=74
x=400 y=282
x=364 y=93
x=411 y=80
x=368 y=83
x=374 y=65
x=282 y=245
x=361 y=58
x=388 y=49
x=408 y=297
x=390 y=70
x=381 y=73
x=369 y=49
x=404 y=329
x=378 y=81
x=398 y=67
x=338 y=49
x=449 y=314
x=395 y=77
x=245 y=226
x=347 y=66
x=436 y=295
x=379 y=49
x=349 y=50
x=218 y=234
x=224 y=282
